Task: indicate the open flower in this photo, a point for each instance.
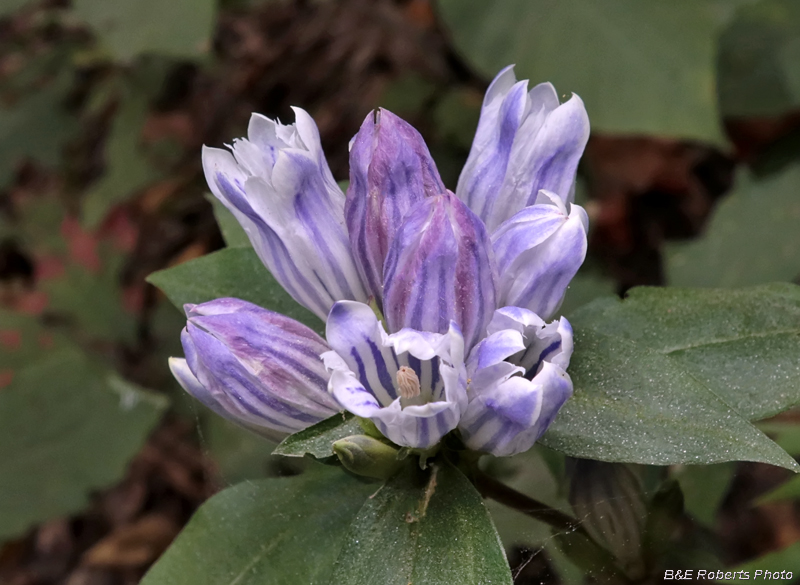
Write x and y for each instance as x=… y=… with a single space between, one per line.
x=518 y=382
x=411 y=384
x=464 y=280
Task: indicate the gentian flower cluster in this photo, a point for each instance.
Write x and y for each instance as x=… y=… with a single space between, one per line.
x=436 y=303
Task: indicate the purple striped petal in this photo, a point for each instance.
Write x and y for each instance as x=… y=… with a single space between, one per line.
x=510 y=416
x=517 y=381
x=440 y=268
x=364 y=366
x=501 y=115
x=524 y=143
x=255 y=367
x=538 y=252
x=390 y=170
x=278 y=185
x=551 y=342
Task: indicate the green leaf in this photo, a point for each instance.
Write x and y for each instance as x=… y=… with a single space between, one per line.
x=233 y=272
x=752 y=238
x=704 y=487
x=789 y=490
x=282 y=531
x=787 y=559
x=317 y=439
x=232 y=231
x=239 y=454
x=36 y=127
x=757 y=63
x=674 y=375
x=430 y=528
x=67 y=428
x=127 y=167
x=640 y=67
x=180 y=28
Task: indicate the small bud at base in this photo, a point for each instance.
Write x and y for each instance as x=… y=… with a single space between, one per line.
x=367 y=456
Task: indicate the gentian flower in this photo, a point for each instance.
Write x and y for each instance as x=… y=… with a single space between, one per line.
x=254 y=367
x=459 y=285
x=279 y=186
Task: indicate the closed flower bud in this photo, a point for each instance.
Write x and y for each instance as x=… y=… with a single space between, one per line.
x=440 y=268
x=607 y=499
x=367 y=456
x=390 y=171
x=255 y=367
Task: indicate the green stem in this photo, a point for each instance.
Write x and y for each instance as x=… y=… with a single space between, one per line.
x=489 y=487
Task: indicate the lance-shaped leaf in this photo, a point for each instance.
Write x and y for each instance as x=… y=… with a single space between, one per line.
x=325 y=527
x=674 y=375
x=317 y=439
x=390 y=170
x=430 y=528
x=440 y=268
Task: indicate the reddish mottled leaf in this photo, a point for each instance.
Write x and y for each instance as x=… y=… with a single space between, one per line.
x=82 y=245
x=10 y=339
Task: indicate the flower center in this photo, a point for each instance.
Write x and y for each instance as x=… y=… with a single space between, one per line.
x=408 y=382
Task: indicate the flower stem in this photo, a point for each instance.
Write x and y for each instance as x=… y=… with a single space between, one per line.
x=489 y=487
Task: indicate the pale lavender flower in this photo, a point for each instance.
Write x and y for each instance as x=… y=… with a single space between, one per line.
x=278 y=185
x=464 y=282
x=411 y=384
x=517 y=382
x=526 y=141
x=257 y=368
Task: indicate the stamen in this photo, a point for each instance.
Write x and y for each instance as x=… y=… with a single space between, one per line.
x=408 y=382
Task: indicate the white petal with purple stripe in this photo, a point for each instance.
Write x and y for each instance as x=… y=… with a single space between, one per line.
x=525 y=142
x=278 y=185
x=364 y=366
x=538 y=251
x=517 y=381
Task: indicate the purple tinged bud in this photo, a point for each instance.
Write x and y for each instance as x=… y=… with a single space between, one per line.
x=526 y=141
x=277 y=184
x=538 y=252
x=440 y=267
x=257 y=368
x=390 y=171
